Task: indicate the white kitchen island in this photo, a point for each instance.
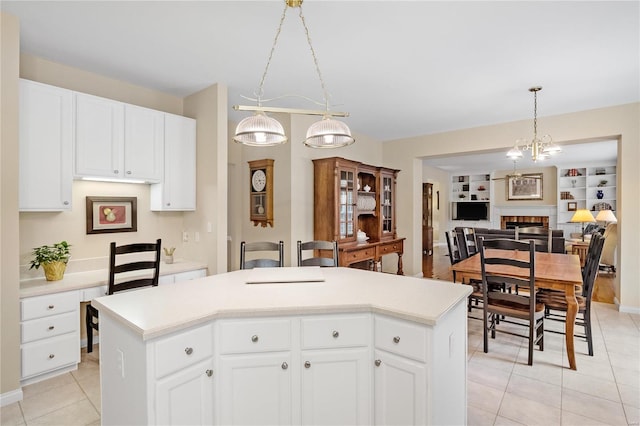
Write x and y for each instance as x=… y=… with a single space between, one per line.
x=357 y=347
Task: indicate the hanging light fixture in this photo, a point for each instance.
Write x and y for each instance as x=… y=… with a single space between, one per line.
x=540 y=148
x=262 y=130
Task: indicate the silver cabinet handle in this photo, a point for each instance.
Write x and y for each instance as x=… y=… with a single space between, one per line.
x=66 y=203
x=209 y=373
x=168 y=204
x=115 y=172
x=396 y=339
x=128 y=172
x=254 y=338
x=378 y=362
x=51 y=306
x=307 y=364
x=188 y=351
x=51 y=327
x=51 y=356
x=335 y=334
x=285 y=365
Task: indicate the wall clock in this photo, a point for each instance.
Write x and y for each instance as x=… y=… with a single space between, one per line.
x=261 y=192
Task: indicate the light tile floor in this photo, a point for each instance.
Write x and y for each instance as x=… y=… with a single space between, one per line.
x=502 y=389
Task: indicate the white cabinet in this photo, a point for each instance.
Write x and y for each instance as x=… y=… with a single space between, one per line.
x=591 y=187
x=400 y=390
x=45 y=152
x=177 y=189
x=182 y=276
x=117 y=141
x=50 y=335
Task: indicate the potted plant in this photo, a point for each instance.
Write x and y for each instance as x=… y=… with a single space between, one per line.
x=53 y=259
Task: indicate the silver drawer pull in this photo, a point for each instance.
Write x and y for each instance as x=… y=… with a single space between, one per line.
x=51 y=356
x=116 y=171
x=285 y=365
x=378 y=362
x=335 y=334
x=307 y=364
x=188 y=351
x=51 y=327
x=254 y=338
x=396 y=339
x=128 y=172
x=209 y=373
x=51 y=306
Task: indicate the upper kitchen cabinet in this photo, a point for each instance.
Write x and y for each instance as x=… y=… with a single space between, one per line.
x=117 y=141
x=46 y=140
x=177 y=190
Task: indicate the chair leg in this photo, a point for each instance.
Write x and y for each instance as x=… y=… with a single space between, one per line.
x=587 y=330
x=88 y=323
x=485 y=332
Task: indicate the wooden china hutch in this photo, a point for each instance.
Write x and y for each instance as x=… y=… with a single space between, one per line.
x=350 y=196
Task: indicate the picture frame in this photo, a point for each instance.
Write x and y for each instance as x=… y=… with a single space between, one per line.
x=111 y=214
x=572 y=206
x=525 y=187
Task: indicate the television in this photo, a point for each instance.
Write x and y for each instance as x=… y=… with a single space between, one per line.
x=466 y=210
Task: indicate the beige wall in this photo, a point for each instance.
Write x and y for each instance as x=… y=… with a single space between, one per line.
x=619 y=122
x=9 y=238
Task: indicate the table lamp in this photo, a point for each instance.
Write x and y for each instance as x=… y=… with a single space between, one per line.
x=606 y=216
x=582 y=216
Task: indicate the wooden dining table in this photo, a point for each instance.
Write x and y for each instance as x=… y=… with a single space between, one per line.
x=552 y=270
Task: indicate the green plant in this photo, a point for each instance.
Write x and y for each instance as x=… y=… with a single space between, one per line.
x=58 y=252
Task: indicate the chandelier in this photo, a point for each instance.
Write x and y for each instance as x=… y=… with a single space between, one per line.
x=540 y=148
x=262 y=130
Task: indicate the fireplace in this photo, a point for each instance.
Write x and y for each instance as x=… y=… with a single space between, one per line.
x=510 y=222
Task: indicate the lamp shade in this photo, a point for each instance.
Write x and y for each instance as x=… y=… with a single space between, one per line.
x=582 y=216
x=606 y=216
x=260 y=130
x=328 y=133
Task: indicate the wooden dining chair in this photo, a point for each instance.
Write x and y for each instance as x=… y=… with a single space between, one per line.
x=543 y=237
x=456 y=254
x=318 y=248
x=556 y=303
x=466 y=238
x=143 y=258
x=499 y=305
x=265 y=248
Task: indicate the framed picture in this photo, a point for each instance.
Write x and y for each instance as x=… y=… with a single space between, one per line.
x=572 y=206
x=525 y=187
x=112 y=214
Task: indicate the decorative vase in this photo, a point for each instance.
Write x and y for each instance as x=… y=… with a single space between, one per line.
x=54 y=271
x=600 y=194
x=168 y=259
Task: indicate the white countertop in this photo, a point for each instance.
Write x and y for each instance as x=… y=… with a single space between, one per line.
x=88 y=279
x=156 y=311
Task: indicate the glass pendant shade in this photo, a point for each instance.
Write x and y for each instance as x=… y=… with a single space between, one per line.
x=328 y=133
x=260 y=130
x=514 y=153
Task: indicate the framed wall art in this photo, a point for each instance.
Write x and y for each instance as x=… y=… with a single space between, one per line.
x=572 y=206
x=525 y=187
x=112 y=214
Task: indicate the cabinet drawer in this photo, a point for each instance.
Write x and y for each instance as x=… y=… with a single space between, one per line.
x=50 y=304
x=49 y=326
x=400 y=337
x=349 y=257
x=394 y=247
x=50 y=354
x=335 y=331
x=255 y=336
x=183 y=349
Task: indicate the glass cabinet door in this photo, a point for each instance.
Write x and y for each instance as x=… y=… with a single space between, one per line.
x=346 y=204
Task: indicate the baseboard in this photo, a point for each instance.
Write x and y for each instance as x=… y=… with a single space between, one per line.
x=11 y=397
x=626 y=309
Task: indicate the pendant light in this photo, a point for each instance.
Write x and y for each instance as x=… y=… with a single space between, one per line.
x=540 y=148
x=262 y=130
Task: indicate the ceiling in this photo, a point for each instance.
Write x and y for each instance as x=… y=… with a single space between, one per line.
x=401 y=68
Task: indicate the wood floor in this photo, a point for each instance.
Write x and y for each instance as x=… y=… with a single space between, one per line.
x=437 y=266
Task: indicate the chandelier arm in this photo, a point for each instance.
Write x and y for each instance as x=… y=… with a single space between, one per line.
x=315 y=59
x=273 y=48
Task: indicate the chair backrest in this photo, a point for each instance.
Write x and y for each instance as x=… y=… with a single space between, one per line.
x=261 y=246
x=452 y=247
x=322 y=246
x=466 y=240
x=610 y=244
x=526 y=265
x=543 y=244
x=591 y=265
x=123 y=260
